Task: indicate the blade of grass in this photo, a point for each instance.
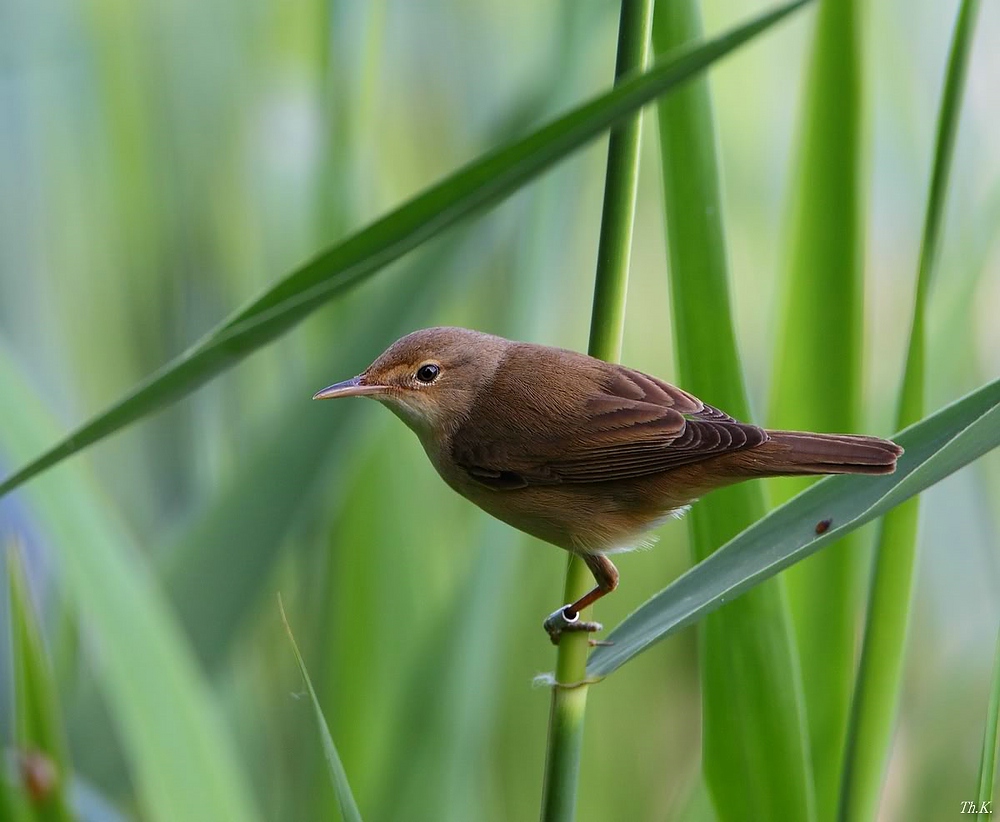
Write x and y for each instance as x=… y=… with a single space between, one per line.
x=991 y=738
x=761 y=707
x=179 y=750
x=338 y=776
x=876 y=695
x=40 y=735
x=607 y=325
x=13 y=802
x=454 y=687
x=935 y=447
x=8 y=799
x=482 y=183
x=822 y=335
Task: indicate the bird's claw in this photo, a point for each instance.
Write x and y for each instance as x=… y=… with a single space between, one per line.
x=567 y=620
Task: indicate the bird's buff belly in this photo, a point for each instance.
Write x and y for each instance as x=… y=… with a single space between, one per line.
x=582 y=519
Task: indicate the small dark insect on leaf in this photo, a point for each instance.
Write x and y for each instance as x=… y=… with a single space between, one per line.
x=823 y=526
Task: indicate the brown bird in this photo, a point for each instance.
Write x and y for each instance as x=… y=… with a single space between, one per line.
x=581 y=453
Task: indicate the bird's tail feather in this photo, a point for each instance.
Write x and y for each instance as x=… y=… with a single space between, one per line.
x=792 y=453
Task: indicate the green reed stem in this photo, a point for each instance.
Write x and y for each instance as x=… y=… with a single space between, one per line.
x=569 y=695
x=876 y=693
x=760 y=709
x=987 y=760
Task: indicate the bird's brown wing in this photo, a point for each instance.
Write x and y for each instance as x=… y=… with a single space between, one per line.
x=633 y=425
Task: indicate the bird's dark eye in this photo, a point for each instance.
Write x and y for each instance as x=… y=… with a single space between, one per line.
x=428 y=373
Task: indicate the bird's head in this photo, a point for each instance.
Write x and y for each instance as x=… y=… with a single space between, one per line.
x=429 y=378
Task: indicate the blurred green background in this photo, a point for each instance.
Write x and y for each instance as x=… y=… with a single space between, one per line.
x=160 y=163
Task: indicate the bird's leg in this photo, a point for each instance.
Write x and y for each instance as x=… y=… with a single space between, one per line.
x=567 y=618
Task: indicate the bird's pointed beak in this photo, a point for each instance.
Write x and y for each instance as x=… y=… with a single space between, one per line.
x=354 y=387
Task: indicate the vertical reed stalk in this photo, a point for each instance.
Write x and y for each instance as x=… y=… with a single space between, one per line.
x=818 y=373
x=569 y=694
x=876 y=692
x=750 y=680
x=988 y=757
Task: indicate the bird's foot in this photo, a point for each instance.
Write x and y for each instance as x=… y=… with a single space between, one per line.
x=566 y=619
